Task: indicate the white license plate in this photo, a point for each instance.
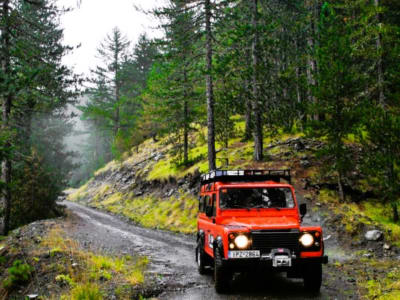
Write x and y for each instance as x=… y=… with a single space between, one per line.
x=244 y=254
x=282 y=261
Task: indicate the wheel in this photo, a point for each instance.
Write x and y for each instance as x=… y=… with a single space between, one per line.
x=222 y=276
x=201 y=258
x=313 y=277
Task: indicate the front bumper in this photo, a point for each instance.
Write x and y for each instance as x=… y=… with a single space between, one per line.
x=242 y=264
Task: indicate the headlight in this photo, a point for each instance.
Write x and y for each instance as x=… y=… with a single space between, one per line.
x=241 y=241
x=307 y=240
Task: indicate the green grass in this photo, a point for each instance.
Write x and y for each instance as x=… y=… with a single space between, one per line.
x=93 y=271
x=380 y=279
x=369 y=212
x=176 y=214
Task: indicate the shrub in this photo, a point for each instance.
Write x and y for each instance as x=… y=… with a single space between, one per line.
x=18 y=273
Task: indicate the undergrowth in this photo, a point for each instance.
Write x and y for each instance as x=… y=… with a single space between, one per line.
x=85 y=274
x=177 y=213
x=369 y=213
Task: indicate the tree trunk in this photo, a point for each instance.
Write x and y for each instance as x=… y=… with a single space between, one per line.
x=117 y=113
x=257 y=130
x=185 y=120
x=380 y=62
x=340 y=187
x=248 y=120
x=312 y=64
x=209 y=89
x=6 y=107
x=395 y=213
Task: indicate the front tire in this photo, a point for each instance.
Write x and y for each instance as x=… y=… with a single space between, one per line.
x=201 y=258
x=222 y=276
x=313 y=277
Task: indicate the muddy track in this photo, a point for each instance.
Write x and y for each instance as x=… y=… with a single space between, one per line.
x=172 y=262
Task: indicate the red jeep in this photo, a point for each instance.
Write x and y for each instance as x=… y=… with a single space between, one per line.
x=248 y=219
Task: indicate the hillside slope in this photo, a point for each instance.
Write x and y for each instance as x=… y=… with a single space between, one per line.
x=150 y=188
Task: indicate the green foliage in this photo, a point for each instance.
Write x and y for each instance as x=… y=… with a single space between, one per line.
x=18 y=273
x=65 y=279
x=86 y=291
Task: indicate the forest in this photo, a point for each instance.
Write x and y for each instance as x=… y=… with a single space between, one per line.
x=328 y=69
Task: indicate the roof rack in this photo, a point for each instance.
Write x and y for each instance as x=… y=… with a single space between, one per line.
x=246 y=175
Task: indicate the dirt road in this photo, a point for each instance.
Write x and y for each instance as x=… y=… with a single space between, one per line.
x=172 y=261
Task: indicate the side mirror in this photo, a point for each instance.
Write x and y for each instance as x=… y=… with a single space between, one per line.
x=303 y=209
x=209 y=211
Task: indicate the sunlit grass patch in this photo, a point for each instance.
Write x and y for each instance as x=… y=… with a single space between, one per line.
x=79 y=193
x=177 y=213
x=86 y=273
x=112 y=199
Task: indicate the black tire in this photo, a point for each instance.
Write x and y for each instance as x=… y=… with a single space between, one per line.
x=201 y=258
x=222 y=275
x=313 y=277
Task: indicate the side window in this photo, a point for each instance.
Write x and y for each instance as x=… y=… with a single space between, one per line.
x=214 y=204
x=206 y=202
x=201 y=204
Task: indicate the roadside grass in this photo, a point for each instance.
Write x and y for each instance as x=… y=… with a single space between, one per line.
x=79 y=193
x=378 y=279
x=63 y=270
x=369 y=212
x=176 y=213
x=87 y=273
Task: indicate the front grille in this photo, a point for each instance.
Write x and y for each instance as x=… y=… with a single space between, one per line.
x=265 y=240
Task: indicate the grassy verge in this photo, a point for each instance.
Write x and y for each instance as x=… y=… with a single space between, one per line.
x=176 y=213
x=376 y=279
x=57 y=267
x=355 y=216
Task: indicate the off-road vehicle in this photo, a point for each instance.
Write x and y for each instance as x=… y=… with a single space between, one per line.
x=249 y=220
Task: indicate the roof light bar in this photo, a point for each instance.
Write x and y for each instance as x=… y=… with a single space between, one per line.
x=245 y=175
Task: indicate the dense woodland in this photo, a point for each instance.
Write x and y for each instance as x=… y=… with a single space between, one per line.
x=329 y=69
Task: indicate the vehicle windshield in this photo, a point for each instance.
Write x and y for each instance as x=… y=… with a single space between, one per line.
x=231 y=198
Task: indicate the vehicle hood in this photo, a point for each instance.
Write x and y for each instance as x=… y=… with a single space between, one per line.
x=270 y=222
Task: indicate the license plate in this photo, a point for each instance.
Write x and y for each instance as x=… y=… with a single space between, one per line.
x=244 y=254
x=282 y=261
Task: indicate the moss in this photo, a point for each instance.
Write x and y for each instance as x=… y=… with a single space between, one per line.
x=80 y=193
x=380 y=279
x=101 y=192
x=176 y=214
x=370 y=213
x=111 y=166
x=112 y=199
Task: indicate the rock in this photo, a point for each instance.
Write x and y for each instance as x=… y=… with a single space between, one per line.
x=298 y=146
x=307 y=197
x=170 y=192
x=158 y=156
x=373 y=235
x=305 y=163
x=316 y=219
x=386 y=247
x=327 y=238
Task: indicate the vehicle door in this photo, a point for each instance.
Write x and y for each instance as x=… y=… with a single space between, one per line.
x=210 y=233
